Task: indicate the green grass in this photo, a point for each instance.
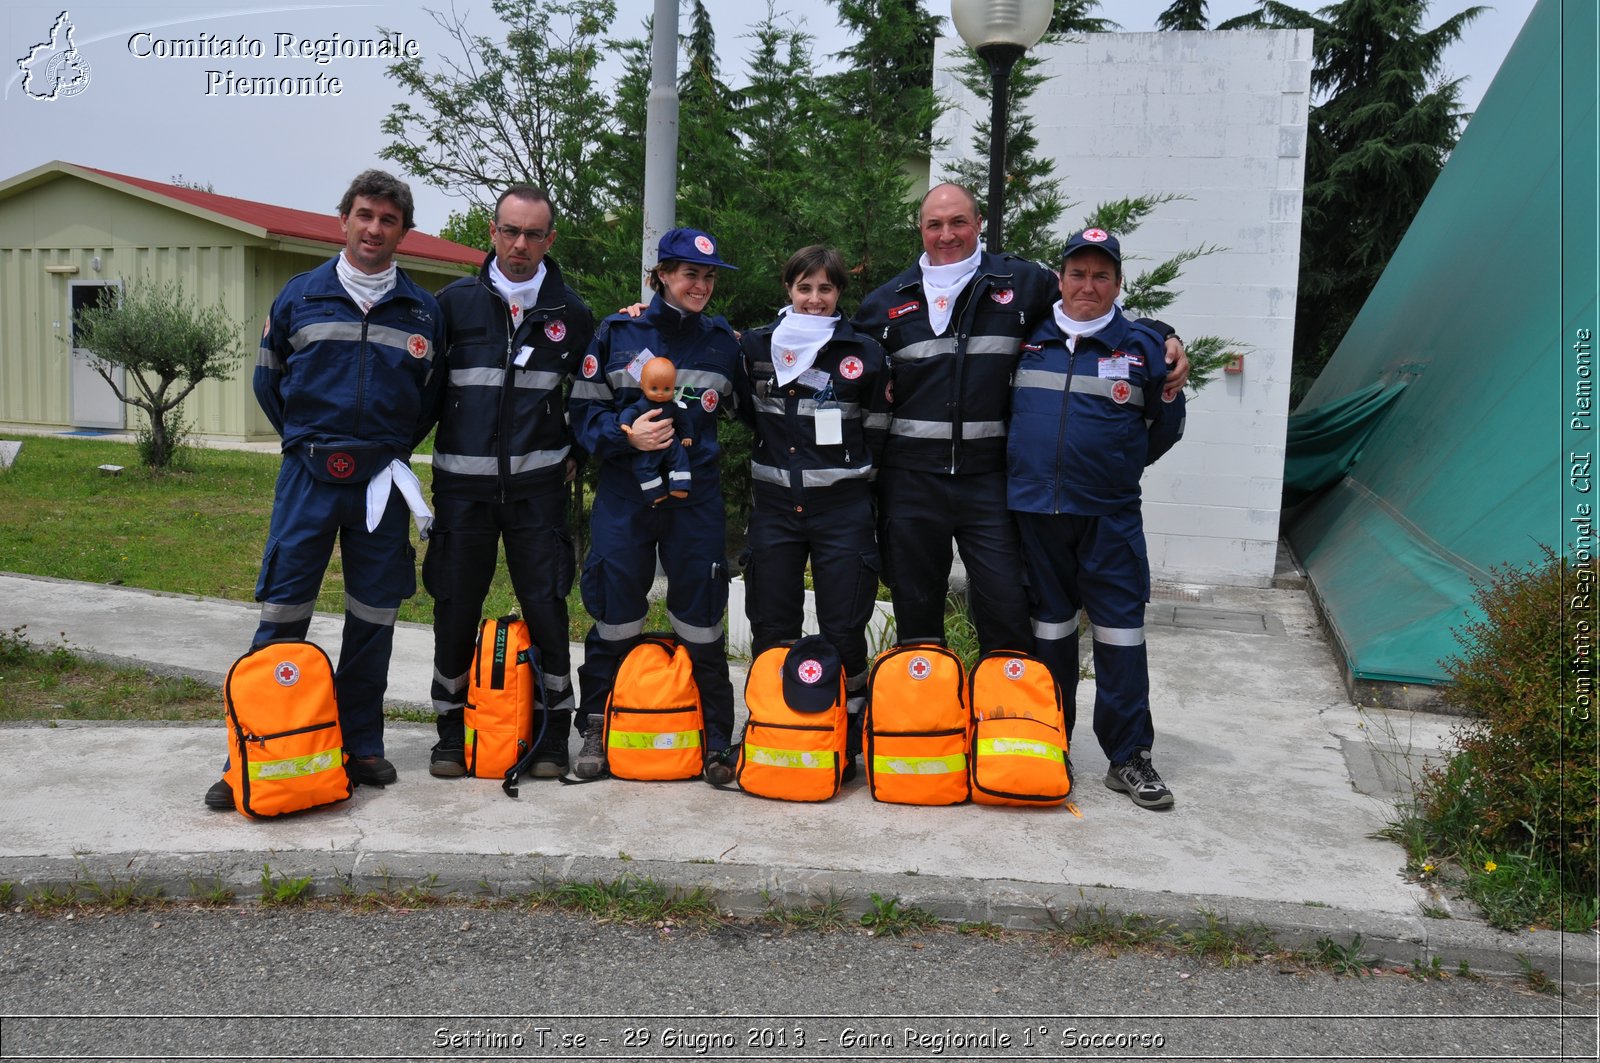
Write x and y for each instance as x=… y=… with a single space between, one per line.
x=198 y=529
x=54 y=684
x=887 y=917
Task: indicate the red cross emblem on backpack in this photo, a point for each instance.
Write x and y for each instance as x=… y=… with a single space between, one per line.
x=919 y=668
x=340 y=465
x=1014 y=669
x=287 y=673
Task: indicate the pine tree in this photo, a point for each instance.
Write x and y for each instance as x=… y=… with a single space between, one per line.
x=1383 y=125
x=1183 y=15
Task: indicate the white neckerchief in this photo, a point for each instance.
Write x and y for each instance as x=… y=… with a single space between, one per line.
x=1076 y=330
x=942 y=284
x=365 y=288
x=796 y=341
x=397 y=474
x=520 y=294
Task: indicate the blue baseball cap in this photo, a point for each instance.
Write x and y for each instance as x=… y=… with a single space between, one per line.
x=1098 y=239
x=811 y=672
x=689 y=245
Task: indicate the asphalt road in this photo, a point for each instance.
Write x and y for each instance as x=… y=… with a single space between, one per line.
x=460 y=983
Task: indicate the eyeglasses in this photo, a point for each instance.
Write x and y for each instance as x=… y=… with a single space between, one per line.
x=513 y=234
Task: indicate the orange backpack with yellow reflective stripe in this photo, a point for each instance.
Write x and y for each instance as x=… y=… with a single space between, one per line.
x=915 y=732
x=1019 y=739
x=502 y=688
x=793 y=747
x=655 y=728
x=286 y=751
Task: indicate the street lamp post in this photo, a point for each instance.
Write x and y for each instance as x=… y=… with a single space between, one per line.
x=1001 y=31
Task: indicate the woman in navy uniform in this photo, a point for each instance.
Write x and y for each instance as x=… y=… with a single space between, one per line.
x=628 y=532
x=813 y=389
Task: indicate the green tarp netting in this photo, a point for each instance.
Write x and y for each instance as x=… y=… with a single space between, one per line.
x=1445 y=404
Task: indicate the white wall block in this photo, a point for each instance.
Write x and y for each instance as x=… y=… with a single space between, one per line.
x=1219 y=118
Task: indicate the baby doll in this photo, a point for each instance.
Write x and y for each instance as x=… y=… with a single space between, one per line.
x=669 y=468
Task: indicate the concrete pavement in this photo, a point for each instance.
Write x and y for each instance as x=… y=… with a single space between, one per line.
x=1280 y=784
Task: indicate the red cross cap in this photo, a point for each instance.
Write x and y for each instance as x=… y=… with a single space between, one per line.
x=919 y=668
x=1002 y=296
x=1015 y=668
x=591 y=365
x=810 y=670
x=709 y=399
x=1096 y=236
x=556 y=330
x=341 y=465
x=850 y=368
x=704 y=245
x=417 y=345
x=1121 y=392
x=287 y=673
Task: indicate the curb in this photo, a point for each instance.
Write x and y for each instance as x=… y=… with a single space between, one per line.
x=752 y=891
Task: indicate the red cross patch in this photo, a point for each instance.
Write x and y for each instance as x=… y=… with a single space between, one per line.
x=788 y=358
x=591 y=365
x=709 y=399
x=1121 y=392
x=903 y=309
x=1002 y=296
x=919 y=668
x=1097 y=236
x=287 y=673
x=417 y=345
x=556 y=331
x=340 y=465
x=850 y=368
x=704 y=245
x=1015 y=668
x=810 y=670
x=943 y=302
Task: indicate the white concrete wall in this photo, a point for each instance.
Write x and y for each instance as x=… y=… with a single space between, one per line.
x=1219 y=118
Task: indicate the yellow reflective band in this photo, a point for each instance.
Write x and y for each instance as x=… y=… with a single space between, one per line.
x=821 y=760
x=295 y=767
x=1018 y=747
x=654 y=739
x=955 y=762
x=471 y=736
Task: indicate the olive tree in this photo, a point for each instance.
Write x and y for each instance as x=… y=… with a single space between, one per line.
x=166 y=345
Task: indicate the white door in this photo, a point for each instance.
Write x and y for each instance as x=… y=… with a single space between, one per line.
x=94 y=404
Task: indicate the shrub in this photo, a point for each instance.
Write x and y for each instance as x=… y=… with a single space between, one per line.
x=1516 y=803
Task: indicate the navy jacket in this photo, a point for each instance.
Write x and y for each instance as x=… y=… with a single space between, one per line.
x=789 y=469
x=1085 y=423
x=503 y=427
x=706 y=354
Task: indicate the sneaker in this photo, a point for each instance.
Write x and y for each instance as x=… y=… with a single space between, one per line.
x=591 y=762
x=719 y=766
x=220 y=797
x=448 y=759
x=550 y=764
x=1137 y=778
x=373 y=771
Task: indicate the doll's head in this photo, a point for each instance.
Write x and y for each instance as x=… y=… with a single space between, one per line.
x=658 y=379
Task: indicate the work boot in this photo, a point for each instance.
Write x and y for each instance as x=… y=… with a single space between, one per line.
x=220 y=797
x=591 y=762
x=550 y=760
x=449 y=757
x=372 y=770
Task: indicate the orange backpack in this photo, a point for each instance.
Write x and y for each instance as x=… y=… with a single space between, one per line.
x=286 y=752
x=501 y=690
x=1019 y=737
x=655 y=728
x=792 y=749
x=916 y=726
